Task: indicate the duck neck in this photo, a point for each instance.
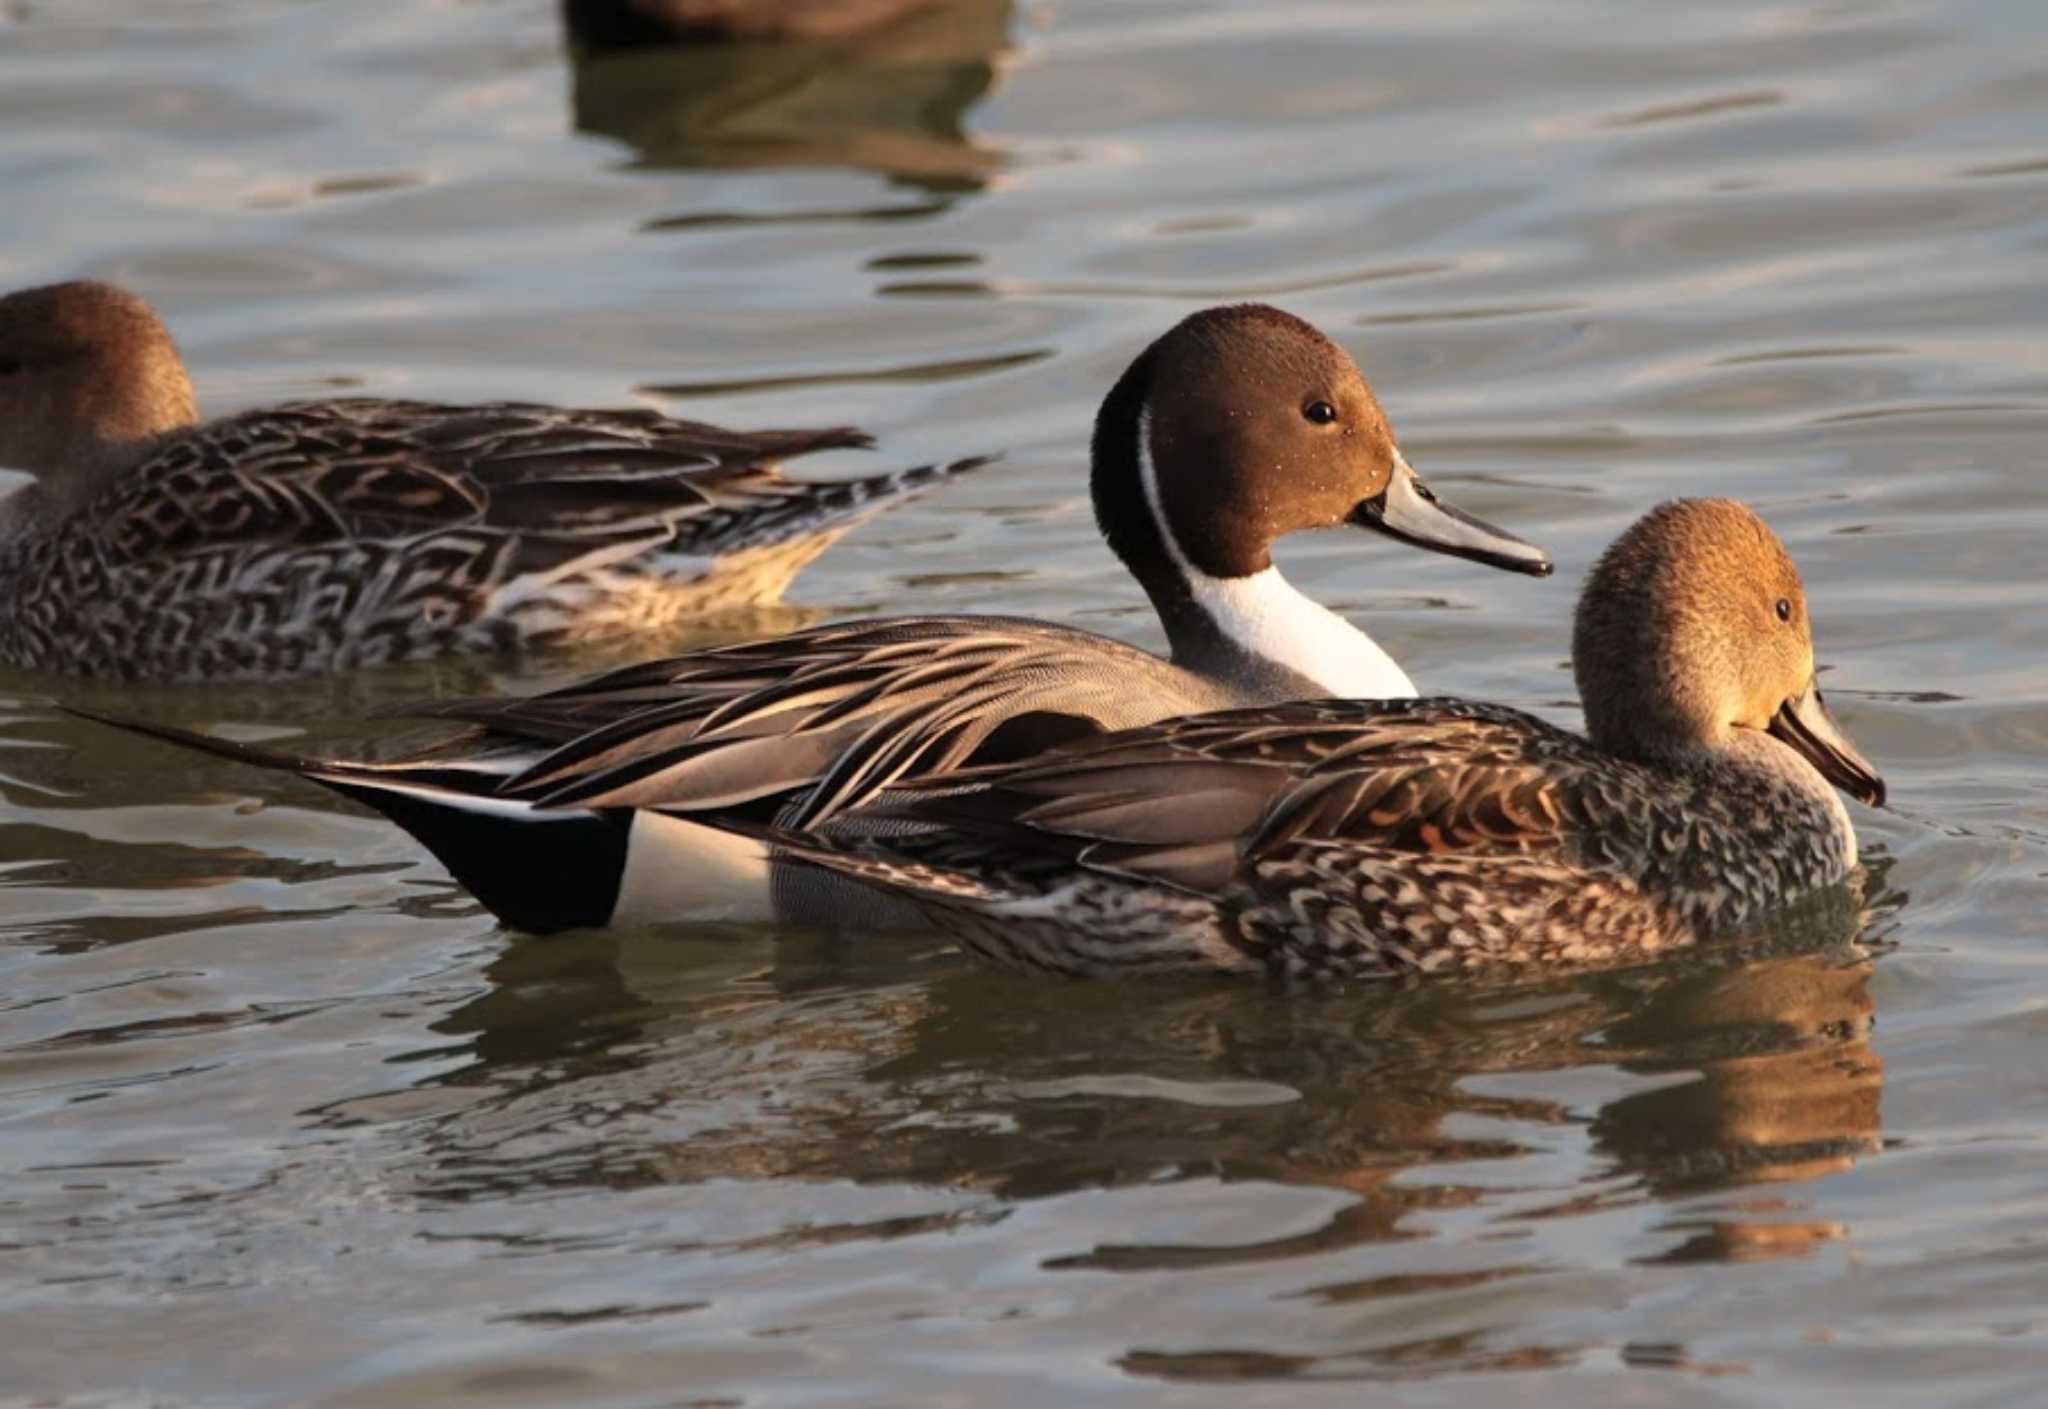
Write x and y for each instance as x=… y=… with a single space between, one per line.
x=1255 y=631
x=62 y=489
x=1259 y=632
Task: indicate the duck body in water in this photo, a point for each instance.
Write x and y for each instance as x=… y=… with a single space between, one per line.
x=632 y=797
x=316 y=536
x=1376 y=838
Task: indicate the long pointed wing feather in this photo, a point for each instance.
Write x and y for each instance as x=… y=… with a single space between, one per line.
x=827 y=718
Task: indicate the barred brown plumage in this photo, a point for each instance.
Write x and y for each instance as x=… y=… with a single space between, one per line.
x=1370 y=838
x=319 y=535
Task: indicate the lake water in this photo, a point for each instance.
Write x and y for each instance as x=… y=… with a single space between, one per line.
x=285 y=1119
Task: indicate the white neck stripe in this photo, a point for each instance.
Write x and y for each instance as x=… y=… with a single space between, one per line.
x=1264 y=616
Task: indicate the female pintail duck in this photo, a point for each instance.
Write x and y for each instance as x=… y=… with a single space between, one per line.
x=589 y=805
x=319 y=535
x=1367 y=839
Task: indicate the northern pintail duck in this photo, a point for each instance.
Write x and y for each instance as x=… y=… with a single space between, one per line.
x=1369 y=838
x=605 y=802
x=318 y=535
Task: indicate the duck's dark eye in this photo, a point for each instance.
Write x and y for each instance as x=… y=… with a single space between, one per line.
x=9 y=365
x=1784 y=608
x=1321 y=412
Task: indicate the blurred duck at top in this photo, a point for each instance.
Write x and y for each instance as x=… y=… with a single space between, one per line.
x=625 y=22
x=875 y=85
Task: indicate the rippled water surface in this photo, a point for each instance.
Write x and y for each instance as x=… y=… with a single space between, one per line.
x=285 y=1118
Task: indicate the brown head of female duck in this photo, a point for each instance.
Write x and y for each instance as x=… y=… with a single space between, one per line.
x=89 y=381
x=1694 y=652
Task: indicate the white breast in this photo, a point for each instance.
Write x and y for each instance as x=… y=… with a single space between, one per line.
x=1267 y=617
x=1265 y=614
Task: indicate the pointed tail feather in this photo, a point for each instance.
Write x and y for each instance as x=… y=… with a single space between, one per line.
x=253 y=754
x=788 y=444
x=871 y=492
x=919 y=478
x=341 y=774
x=835 y=506
x=535 y=869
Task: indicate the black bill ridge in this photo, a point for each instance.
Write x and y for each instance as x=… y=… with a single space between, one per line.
x=1408 y=510
x=1805 y=724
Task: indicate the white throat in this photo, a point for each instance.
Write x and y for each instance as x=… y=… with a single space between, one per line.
x=1266 y=617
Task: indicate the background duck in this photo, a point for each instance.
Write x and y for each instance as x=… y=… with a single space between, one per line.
x=1369 y=839
x=892 y=97
x=608 y=802
x=318 y=535
x=627 y=22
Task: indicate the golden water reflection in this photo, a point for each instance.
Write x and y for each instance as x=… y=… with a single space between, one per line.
x=627 y=1062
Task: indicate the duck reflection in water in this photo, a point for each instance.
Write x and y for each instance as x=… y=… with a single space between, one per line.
x=891 y=1064
x=889 y=94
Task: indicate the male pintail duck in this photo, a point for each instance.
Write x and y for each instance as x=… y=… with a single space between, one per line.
x=318 y=535
x=1368 y=839
x=588 y=805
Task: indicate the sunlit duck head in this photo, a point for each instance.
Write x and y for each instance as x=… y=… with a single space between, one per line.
x=1240 y=425
x=1692 y=640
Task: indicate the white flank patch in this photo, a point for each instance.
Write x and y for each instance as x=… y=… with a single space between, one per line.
x=679 y=871
x=1267 y=617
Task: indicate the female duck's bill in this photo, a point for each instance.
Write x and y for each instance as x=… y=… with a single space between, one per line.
x=631 y=798
x=1373 y=838
x=1805 y=723
x=319 y=535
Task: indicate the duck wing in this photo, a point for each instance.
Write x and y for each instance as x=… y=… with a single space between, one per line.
x=815 y=723
x=1204 y=801
x=520 y=476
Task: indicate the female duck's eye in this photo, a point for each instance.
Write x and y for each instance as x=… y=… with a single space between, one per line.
x=1784 y=609
x=1321 y=412
x=9 y=365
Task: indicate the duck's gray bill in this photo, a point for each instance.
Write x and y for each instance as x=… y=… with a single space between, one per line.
x=1804 y=722
x=1409 y=510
